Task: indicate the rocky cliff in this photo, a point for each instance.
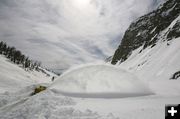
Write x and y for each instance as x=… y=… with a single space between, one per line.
x=146 y=31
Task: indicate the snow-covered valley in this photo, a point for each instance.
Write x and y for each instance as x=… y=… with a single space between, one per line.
x=52 y=104
x=144 y=78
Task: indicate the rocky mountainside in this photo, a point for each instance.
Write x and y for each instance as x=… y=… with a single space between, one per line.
x=162 y=24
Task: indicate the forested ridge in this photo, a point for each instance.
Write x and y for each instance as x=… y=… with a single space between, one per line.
x=18 y=58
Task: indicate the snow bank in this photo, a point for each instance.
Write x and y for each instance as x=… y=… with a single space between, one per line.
x=99 y=81
x=46 y=105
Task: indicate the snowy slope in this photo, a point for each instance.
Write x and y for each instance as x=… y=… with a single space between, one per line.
x=13 y=77
x=159 y=63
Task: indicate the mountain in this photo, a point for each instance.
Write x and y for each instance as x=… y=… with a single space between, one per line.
x=150 y=46
x=148 y=30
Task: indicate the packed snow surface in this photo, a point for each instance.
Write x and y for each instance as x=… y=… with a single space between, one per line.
x=99 y=81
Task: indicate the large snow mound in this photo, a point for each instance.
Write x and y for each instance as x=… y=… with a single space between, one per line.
x=104 y=81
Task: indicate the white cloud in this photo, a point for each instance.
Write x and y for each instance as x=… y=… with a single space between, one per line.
x=64 y=32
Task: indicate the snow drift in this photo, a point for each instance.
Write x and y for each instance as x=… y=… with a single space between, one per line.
x=99 y=81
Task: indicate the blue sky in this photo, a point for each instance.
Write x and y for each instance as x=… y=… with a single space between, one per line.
x=62 y=33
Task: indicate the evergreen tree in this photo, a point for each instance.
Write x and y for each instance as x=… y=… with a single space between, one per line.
x=27 y=63
x=4 y=47
x=17 y=57
x=1 y=46
x=11 y=53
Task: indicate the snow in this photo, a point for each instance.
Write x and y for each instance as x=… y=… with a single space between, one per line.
x=153 y=30
x=48 y=105
x=99 y=81
x=13 y=77
x=138 y=34
x=55 y=106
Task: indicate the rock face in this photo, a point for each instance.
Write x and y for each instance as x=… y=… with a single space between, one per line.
x=148 y=30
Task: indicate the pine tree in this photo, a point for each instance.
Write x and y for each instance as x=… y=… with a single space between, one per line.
x=4 y=47
x=1 y=46
x=17 y=57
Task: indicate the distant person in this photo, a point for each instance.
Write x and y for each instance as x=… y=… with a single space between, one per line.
x=53 y=78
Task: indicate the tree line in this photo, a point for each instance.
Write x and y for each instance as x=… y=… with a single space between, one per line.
x=18 y=58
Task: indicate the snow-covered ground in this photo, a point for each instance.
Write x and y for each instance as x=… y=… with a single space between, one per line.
x=13 y=77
